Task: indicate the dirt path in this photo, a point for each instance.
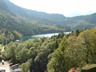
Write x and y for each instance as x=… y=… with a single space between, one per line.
x=6 y=66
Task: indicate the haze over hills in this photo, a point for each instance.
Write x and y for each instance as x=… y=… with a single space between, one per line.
x=29 y=22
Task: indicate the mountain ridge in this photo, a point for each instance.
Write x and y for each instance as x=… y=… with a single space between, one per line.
x=29 y=22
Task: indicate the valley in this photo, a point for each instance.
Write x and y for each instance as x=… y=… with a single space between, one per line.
x=42 y=42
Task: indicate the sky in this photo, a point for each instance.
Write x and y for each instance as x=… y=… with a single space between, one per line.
x=68 y=8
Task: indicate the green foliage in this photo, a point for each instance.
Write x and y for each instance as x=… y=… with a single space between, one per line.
x=75 y=53
x=56 y=63
x=89 y=37
x=56 y=54
x=8 y=36
x=79 y=50
x=90 y=68
x=11 y=53
x=35 y=49
x=0 y=47
x=25 y=67
x=22 y=55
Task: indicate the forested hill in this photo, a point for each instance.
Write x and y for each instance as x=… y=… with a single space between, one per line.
x=29 y=22
x=14 y=10
x=87 y=21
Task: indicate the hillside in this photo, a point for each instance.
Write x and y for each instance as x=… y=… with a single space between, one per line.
x=87 y=21
x=29 y=22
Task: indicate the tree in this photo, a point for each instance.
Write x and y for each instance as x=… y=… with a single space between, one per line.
x=22 y=55
x=75 y=53
x=11 y=53
x=86 y=37
x=25 y=67
x=57 y=61
x=89 y=36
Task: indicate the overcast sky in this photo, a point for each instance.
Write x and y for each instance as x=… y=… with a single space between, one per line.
x=65 y=7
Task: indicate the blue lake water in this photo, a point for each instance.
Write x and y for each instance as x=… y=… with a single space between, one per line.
x=42 y=35
x=47 y=35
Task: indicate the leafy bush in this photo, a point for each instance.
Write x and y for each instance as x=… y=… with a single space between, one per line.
x=90 y=68
x=25 y=67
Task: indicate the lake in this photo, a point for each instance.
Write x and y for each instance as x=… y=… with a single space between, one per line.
x=41 y=35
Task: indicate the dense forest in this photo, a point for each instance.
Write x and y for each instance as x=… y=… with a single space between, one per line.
x=27 y=27
x=56 y=54
x=8 y=36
